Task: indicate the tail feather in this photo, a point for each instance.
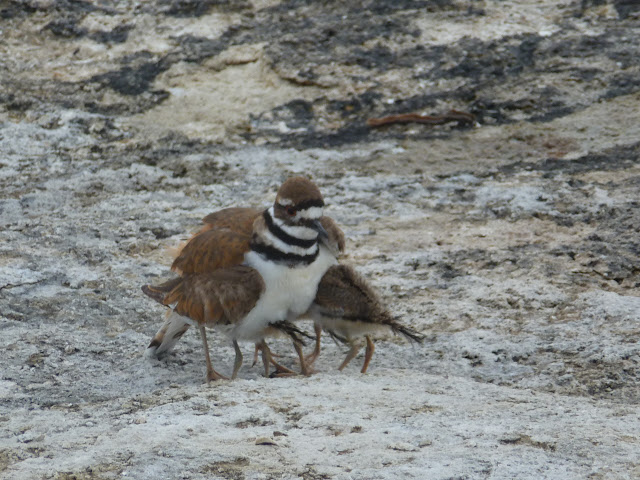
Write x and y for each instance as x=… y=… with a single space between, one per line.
x=158 y=292
x=407 y=332
x=169 y=334
x=292 y=330
x=337 y=338
x=174 y=295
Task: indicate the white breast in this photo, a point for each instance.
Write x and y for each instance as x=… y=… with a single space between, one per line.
x=288 y=293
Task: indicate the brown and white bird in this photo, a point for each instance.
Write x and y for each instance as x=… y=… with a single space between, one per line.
x=223 y=299
x=254 y=271
x=348 y=308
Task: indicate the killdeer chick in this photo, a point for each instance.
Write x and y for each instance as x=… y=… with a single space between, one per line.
x=286 y=246
x=348 y=308
x=335 y=241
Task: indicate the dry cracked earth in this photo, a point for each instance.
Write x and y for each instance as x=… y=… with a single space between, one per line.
x=511 y=243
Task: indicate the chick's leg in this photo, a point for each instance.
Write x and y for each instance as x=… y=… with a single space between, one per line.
x=355 y=348
x=304 y=369
x=267 y=359
x=310 y=359
x=368 y=354
x=238 y=363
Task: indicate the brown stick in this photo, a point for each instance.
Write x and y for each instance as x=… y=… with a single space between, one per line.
x=450 y=116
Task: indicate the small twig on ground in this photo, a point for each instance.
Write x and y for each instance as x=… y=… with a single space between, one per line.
x=15 y=285
x=450 y=116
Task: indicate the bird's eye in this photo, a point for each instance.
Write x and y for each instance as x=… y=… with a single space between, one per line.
x=291 y=211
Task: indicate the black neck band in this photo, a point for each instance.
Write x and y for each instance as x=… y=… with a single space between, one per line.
x=276 y=255
x=280 y=234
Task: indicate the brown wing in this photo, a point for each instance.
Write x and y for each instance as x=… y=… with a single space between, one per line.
x=335 y=242
x=221 y=242
x=210 y=250
x=224 y=296
x=236 y=219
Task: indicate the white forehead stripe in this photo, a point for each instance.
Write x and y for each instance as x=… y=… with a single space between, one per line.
x=311 y=213
x=284 y=202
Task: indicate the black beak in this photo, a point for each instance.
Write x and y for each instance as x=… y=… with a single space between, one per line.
x=322 y=233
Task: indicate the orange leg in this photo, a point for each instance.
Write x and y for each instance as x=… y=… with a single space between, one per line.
x=255 y=354
x=211 y=373
x=304 y=370
x=368 y=354
x=266 y=356
x=281 y=370
x=238 y=363
x=267 y=359
x=355 y=348
x=258 y=348
x=309 y=360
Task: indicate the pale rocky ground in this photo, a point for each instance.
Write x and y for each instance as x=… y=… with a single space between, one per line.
x=512 y=244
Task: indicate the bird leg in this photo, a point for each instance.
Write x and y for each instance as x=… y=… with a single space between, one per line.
x=238 y=363
x=355 y=348
x=368 y=354
x=255 y=354
x=304 y=370
x=281 y=370
x=310 y=359
x=267 y=358
x=211 y=373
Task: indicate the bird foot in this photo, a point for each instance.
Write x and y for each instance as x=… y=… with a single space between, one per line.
x=287 y=372
x=213 y=376
x=256 y=352
x=310 y=359
x=280 y=374
x=307 y=372
x=281 y=371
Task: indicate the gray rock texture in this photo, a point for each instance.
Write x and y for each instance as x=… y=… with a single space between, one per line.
x=512 y=243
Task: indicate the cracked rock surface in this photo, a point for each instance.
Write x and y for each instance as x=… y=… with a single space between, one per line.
x=513 y=244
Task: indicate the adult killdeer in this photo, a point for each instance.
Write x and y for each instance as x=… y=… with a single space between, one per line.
x=348 y=308
x=224 y=299
x=269 y=261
